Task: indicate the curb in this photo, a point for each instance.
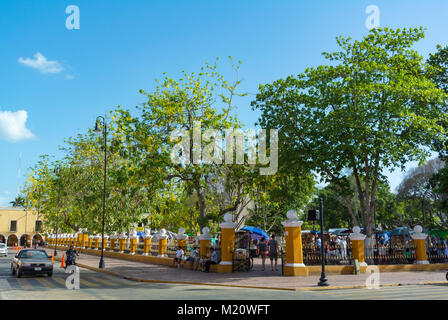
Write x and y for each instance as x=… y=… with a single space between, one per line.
x=175 y=282
x=249 y=287
x=253 y=287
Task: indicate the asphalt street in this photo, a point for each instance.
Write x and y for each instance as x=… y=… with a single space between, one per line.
x=101 y=286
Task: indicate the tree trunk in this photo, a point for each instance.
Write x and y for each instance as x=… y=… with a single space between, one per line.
x=202 y=206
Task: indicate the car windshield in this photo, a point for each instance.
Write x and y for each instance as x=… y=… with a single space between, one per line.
x=33 y=255
x=2 y=245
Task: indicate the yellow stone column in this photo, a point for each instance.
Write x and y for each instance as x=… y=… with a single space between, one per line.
x=147 y=244
x=106 y=241
x=227 y=243
x=113 y=242
x=133 y=239
x=122 y=240
x=163 y=243
x=357 y=240
x=294 y=255
x=181 y=239
x=96 y=242
x=84 y=240
x=420 y=245
x=204 y=243
x=78 y=239
x=90 y=242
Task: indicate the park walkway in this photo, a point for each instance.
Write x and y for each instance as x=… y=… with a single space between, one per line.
x=254 y=278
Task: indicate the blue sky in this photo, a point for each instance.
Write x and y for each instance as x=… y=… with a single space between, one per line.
x=59 y=80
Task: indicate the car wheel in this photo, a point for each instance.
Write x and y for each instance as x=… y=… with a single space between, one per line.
x=19 y=273
x=13 y=271
x=446 y=276
x=50 y=274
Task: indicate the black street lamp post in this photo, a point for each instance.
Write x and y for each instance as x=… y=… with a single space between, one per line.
x=101 y=265
x=323 y=278
x=57 y=172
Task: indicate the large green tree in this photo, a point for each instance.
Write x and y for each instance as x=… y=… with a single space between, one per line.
x=178 y=112
x=439 y=74
x=370 y=108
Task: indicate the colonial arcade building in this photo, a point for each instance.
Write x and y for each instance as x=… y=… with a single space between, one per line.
x=19 y=227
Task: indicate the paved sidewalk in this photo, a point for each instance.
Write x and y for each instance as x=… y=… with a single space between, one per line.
x=255 y=278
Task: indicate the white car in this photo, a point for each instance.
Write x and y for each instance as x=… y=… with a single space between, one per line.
x=3 y=250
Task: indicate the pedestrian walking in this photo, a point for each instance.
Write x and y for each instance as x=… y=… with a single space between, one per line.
x=263 y=247
x=273 y=252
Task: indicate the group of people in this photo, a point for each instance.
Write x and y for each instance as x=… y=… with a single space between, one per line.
x=194 y=258
x=335 y=245
x=437 y=246
x=264 y=248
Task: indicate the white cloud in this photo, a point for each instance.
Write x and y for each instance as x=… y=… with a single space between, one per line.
x=42 y=64
x=13 y=126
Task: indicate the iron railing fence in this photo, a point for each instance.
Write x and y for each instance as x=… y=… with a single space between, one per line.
x=390 y=254
x=334 y=255
x=437 y=253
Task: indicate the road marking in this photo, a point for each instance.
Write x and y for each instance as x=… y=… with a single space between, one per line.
x=46 y=282
x=4 y=285
x=4 y=288
x=88 y=284
x=389 y=294
x=114 y=282
x=59 y=280
x=420 y=293
x=25 y=284
x=106 y=282
x=367 y=291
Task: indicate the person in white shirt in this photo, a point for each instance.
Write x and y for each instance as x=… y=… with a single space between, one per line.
x=179 y=254
x=213 y=260
x=343 y=247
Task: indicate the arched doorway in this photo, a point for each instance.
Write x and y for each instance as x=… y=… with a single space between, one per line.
x=23 y=239
x=37 y=239
x=2 y=239
x=12 y=240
